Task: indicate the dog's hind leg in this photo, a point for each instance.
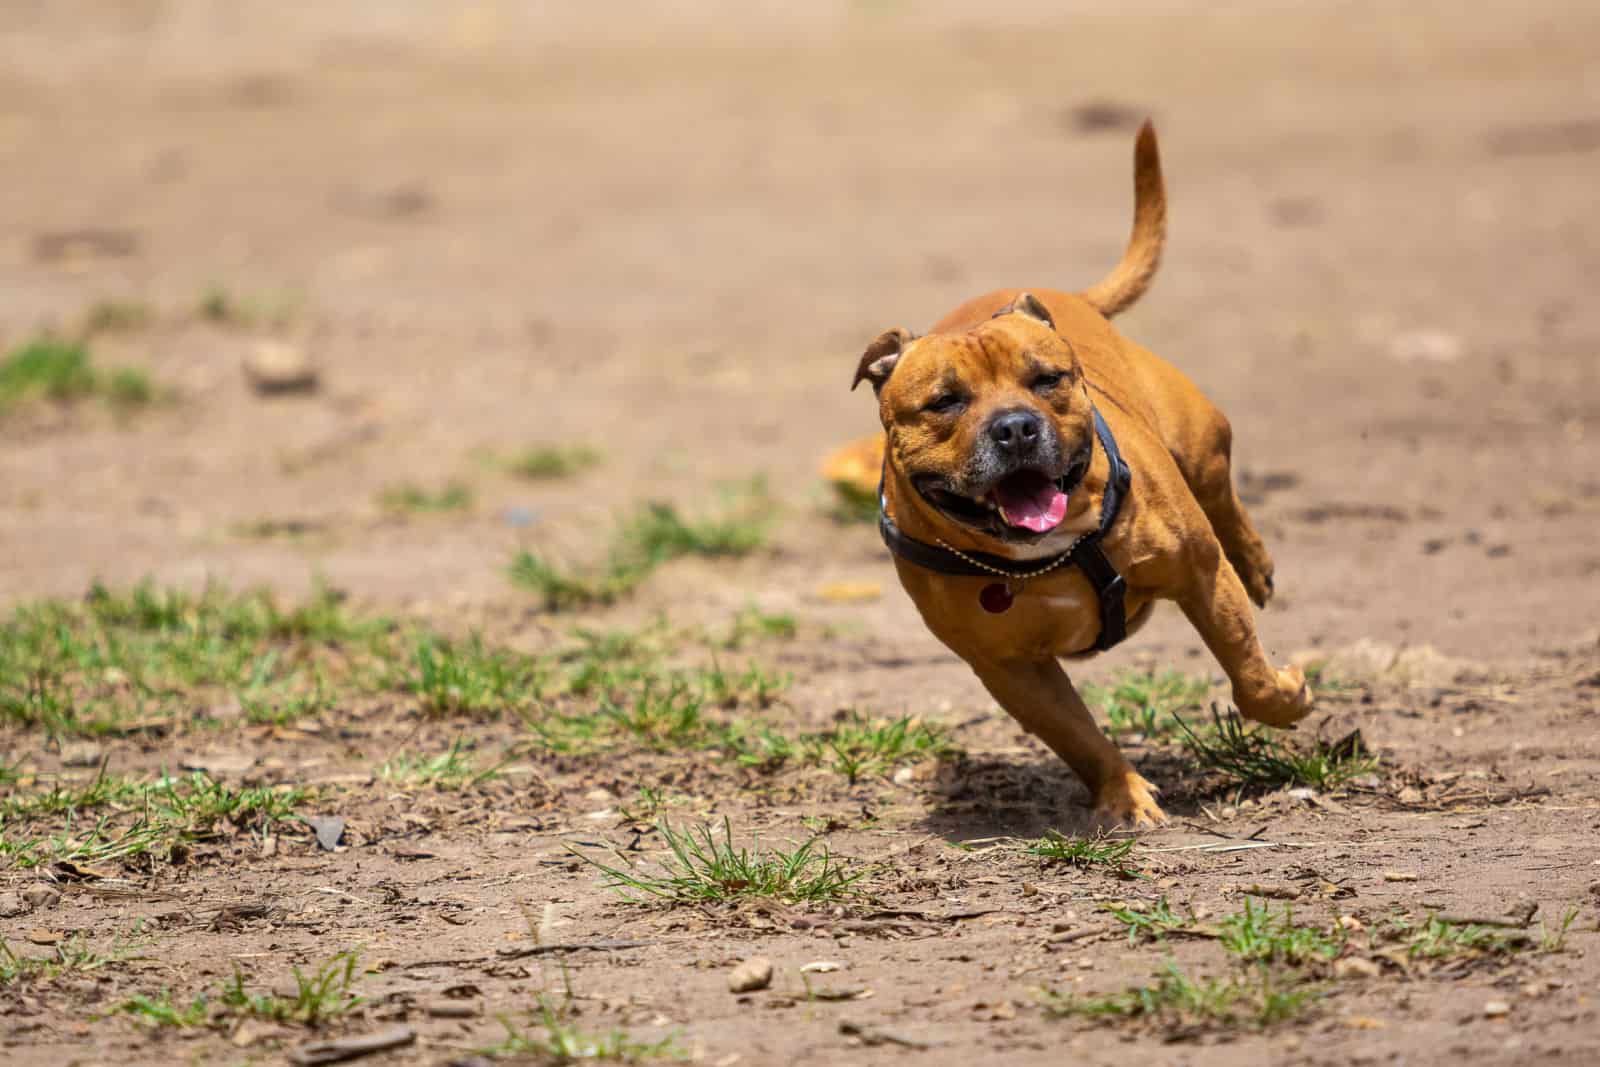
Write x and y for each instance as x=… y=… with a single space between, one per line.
x=1040 y=696
x=1210 y=478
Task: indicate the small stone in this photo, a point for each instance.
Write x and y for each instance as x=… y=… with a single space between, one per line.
x=753 y=974
x=1410 y=795
x=1356 y=967
x=81 y=754
x=1399 y=876
x=329 y=830
x=12 y=905
x=1496 y=1009
x=276 y=367
x=41 y=896
x=1425 y=346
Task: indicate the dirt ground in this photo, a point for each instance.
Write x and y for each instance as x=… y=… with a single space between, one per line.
x=667 y=237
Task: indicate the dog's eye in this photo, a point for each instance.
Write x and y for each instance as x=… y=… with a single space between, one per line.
x=1047 y=381
x=945 y=404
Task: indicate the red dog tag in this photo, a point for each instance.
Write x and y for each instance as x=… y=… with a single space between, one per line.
x=995 y=598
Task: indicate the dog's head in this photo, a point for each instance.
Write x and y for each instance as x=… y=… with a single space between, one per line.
x=993 y=428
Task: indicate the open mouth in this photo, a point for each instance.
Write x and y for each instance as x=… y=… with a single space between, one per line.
x=1024 y=505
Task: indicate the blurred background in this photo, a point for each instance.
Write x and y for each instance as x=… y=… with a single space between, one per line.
x=660 y=239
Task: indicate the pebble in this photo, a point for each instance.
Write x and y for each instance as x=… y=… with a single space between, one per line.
x=276 y=367
x=753 y=974
x=1496 y=1009
x=80 y=754
x=1355 y=967
x=12 y=905
x=41 y=896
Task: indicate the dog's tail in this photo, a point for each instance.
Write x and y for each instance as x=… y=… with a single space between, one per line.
x=1130 y=278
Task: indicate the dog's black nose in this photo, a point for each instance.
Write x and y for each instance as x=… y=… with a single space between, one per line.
x=1016 y=433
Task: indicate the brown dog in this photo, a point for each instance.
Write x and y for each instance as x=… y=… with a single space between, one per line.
x=1046 y=481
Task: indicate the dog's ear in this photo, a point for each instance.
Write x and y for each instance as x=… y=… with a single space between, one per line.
x=1029 y=305
x=878 y=361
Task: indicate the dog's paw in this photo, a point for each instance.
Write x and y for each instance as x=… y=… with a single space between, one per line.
x=1287 y=705
x=1127 y=800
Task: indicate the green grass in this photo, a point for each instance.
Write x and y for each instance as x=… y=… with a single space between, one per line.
x=468 y=677
x=1438 y=938
x=1554 y=939
x=410 y=499
x=1147 y=921
x=563 y=1042
x=1261 y=934
x=451 y=769
x=1180 y=1001
x=61 y=371
x=116 y=316
x=319 y=997
x=1272 y=959
x=1148 y=703
x=116 y=661
x=751 y=625
x=220 y=305
x=701 y=866
x=654 y=534
x=551 y=462
x=112 y=819
x=160 y=1010
x=857 y=747
x=1255 y=759
x=72 y=955
x=1086 y=852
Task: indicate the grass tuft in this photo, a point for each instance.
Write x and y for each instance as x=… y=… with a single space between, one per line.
x=116 y=316
x=655 y=534
x=703 y=867
x=1254 y=759
x=411 y=499
x=1150 y=921
x=1084 y=852
x=1148 y=703
x=115 y=819
x=551 y=462
x=146 y=655
x=563 y=1042
x=451 y=769
x=468 y=677
x=1182 y=1002
x=321 y=996
x=1261 y=935
x=62 y=372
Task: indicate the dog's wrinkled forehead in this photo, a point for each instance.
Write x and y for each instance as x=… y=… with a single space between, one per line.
x=1019 y=337
x=1001 y=351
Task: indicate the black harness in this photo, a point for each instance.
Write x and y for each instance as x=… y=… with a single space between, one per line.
x=1085 y=554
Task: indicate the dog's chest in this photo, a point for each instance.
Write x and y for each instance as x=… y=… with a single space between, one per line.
x=1057 y=616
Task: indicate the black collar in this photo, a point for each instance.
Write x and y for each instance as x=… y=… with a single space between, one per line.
x=1085 y=554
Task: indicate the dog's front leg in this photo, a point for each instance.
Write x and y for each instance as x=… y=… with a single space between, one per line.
x=1217 y=605
x=1040 y=696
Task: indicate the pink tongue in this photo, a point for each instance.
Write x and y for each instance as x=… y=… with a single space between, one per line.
x=1031 y=501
